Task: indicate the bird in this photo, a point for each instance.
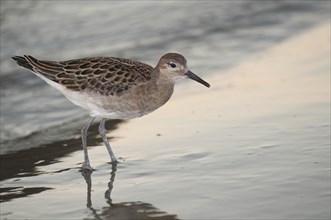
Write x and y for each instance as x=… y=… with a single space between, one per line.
x=112 y=87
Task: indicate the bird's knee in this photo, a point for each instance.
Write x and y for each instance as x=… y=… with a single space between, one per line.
x=102 y=130
x=83 y=130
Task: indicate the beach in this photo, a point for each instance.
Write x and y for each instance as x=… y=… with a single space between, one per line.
x=255 y=145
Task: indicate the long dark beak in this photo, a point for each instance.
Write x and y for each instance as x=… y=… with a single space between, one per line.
x=191 y=75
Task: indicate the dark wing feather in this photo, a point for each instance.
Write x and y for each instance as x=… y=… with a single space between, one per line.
x=105 y=75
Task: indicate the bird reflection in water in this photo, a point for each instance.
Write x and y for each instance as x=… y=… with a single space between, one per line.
x=123 y=210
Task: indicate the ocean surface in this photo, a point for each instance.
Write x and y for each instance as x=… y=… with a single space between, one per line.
x=256 y=145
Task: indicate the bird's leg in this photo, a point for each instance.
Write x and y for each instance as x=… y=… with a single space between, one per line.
x=102 y=131
x=86 y=164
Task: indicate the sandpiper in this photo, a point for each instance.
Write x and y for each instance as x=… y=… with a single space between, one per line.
x=110 y=87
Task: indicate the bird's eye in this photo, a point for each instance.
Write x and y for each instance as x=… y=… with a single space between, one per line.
x=172 y=65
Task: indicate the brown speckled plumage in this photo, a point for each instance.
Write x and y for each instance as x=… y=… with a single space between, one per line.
x=113 y=87
x=105 y=75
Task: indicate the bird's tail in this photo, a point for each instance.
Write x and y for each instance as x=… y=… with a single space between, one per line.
x=22 y=61
x=47 y=69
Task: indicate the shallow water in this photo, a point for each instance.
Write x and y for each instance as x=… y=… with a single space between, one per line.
x=255 y=145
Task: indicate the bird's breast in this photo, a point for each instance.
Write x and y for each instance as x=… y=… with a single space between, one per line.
x=135 y=103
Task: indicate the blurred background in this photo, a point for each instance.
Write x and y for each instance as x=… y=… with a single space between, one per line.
x=41 y=126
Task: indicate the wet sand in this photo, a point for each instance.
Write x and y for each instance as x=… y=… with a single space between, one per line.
x=256 y=145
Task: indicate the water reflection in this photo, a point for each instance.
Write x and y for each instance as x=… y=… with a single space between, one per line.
x=26 y=163
x=9 y=193
x=123 y=210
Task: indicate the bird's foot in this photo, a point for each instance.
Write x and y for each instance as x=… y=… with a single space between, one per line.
x=114 y=160
x=87 y=167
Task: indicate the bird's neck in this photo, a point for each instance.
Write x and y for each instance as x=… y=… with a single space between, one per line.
x=161 y=81
x=162 y=87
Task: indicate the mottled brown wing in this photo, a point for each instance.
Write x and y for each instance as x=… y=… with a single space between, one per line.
x=105 y=75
